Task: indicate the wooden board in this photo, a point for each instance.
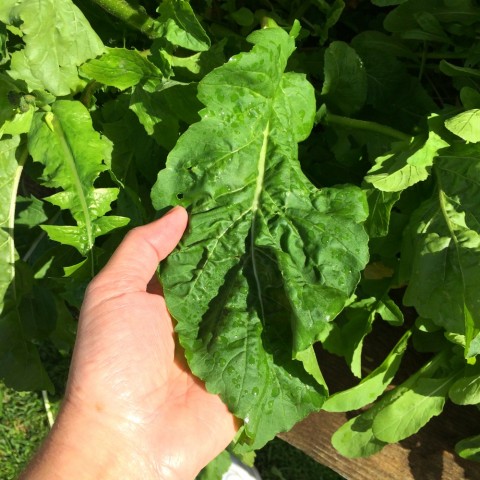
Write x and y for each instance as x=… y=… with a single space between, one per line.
x=428 y=455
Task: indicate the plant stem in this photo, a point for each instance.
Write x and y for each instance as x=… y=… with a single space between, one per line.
x=331 y=118
x=132 y=14
x=48 y=408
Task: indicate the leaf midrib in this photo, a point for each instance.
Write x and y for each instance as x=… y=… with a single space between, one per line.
x=70 y=163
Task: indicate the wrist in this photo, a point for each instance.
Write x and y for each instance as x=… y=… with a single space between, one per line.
x=87 y=446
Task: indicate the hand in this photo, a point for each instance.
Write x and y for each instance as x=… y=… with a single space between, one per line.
x=132 y=408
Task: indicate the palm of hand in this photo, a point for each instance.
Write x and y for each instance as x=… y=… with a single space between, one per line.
x=128 y=372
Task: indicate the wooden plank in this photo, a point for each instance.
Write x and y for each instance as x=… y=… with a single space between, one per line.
x=424 y=456
x=428 y=455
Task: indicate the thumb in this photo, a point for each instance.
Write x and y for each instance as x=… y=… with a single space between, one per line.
x=135 y=260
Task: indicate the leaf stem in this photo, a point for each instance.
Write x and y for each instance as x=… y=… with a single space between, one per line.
x=48 y=408
x=132 y=14
x=331 y=118
x=22 y=158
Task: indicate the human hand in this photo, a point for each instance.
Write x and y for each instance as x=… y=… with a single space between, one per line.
x=132 y=408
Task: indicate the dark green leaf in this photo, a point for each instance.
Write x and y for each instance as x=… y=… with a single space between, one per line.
x=268 y=259
x=345 y=84
x=355 y=438
x=20 y=364
x=445 y=268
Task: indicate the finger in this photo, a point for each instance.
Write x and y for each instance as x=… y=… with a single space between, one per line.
x=134 y=262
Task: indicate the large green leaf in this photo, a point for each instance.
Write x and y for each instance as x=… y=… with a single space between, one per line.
x=268 y=260
x=74 y=155
x=57 y=39
x=20 y=364
x=446 y=247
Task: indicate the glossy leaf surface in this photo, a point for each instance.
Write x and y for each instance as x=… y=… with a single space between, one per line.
x=268 y=260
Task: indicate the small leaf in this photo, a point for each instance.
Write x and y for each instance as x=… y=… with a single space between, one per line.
x=345 y=84
x=406 y=166
x=381 y=204
x=412 y=404
x=372 y=386
x=356 y=439
x=466 y=390
x=120 y=68
x=469 y=448
x=179 y=25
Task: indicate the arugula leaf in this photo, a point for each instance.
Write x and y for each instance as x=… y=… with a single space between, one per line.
x=399 y=413
x=74 y=154
x=372 y=386
x=268 y=260
x=469 y=448
x=466 y=390
x=446 y=247
x=407 y=18
x=57 y=39
x=356 y=439
x=20 y=365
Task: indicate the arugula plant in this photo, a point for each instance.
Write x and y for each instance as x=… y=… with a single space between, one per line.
x=328 y=155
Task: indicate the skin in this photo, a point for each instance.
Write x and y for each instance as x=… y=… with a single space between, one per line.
x=132 y=408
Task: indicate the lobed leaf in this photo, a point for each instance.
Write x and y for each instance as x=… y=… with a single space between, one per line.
x=268 y=260
x=74 y=155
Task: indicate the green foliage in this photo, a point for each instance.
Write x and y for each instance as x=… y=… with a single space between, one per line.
x=330 y=166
